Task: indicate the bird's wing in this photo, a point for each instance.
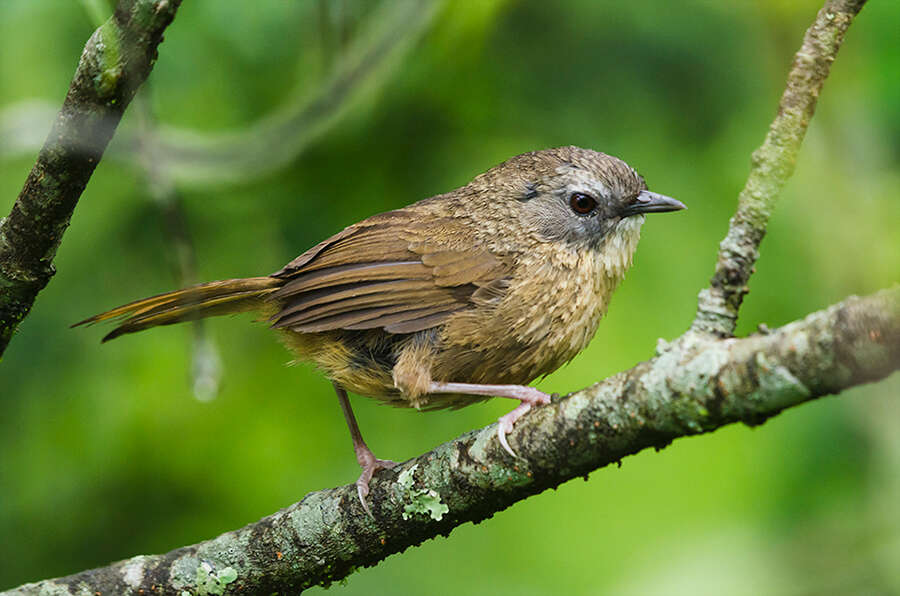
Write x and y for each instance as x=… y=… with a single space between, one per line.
x=397 y=271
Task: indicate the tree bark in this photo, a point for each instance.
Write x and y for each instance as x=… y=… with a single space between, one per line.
x=702 y=381
x=116 y=60
x=696 y=386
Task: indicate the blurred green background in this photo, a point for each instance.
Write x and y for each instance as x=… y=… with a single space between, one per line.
x=270 y=125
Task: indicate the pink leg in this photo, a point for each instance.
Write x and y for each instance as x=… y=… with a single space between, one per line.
x=367 y=460
x=529 y=396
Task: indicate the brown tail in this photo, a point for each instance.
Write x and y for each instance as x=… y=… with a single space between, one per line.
x=198 y=302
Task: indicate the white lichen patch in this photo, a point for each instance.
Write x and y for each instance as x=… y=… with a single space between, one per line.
x=799 y=343
x=575 y=404
x=419 y=500
x=133 y=571
x=655 y=381
x=778 y=387
x=703 y=367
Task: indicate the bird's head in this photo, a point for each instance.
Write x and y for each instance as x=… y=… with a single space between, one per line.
x=577 y=196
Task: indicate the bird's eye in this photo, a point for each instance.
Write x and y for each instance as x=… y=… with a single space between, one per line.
x=581 y=203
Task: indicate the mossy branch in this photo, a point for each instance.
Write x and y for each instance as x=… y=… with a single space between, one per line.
x=116 y=60
x=771 y=166
x=695 y=387
x=701 y=382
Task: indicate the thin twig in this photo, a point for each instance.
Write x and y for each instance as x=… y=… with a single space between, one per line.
x=116 y=60
x=200 y=158
x=772 y=165
x=206 y=366
x=190 y=157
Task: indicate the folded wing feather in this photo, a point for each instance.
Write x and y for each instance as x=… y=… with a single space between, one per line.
x=390 y=271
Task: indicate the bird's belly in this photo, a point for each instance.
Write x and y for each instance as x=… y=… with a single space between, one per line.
x=516 y=358
x=539 y=326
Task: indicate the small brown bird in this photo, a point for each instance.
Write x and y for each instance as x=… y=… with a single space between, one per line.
x=451 y=300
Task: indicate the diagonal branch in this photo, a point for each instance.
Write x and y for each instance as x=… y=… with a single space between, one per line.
x=703 y=381
x=772 y=165
x=116 y=60
x=694 y=388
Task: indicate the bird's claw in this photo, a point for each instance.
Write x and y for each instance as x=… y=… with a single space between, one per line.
x=505 y=424
x=362 y=483
x=504 y=427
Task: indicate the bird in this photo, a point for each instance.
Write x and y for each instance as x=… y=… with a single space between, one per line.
x=452 y=300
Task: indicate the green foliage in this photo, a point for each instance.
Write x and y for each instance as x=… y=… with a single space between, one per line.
x=105 y=453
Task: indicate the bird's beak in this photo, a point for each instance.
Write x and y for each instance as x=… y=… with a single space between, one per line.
x=651 y=202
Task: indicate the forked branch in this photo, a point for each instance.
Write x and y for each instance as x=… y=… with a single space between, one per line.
x=771 y=166
x=703 y=381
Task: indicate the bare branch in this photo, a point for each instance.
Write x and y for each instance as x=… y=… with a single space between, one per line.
x=116 y=60
x=772 y=165
x=694 y=388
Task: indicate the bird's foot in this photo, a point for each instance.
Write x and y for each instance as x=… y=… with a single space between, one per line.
x=370 y=464
x=367 y=460
x=529 y=396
